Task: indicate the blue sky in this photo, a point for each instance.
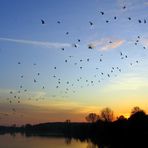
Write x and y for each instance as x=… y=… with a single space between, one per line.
x=37 y=46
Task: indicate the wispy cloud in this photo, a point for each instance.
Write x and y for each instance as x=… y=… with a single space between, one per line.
x=144 y=42
x=146 y=3
x=127 y=82
x=106 y=44
x=38 y=43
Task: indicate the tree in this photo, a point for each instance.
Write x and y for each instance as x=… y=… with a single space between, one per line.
x=138 y=118
x=135 y=110
x=121 y=118
x=92 y=117
x=107 y=115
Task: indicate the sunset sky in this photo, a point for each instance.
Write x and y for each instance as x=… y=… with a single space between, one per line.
x=40 y=82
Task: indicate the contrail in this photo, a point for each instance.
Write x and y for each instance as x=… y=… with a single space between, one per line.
x=38 y=43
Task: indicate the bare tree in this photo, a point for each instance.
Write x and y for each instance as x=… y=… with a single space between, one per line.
x=92 y=117
x=107 y=115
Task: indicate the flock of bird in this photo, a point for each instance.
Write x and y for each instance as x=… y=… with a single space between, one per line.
x=71 y=86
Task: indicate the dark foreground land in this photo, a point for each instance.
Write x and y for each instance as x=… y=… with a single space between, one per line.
x=122 y=133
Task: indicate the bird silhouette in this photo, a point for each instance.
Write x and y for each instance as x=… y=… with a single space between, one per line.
x=91 y=23
x=42 y=21
x=58 y=22
x=102 y=12
x=124 y=7
x=140 y=21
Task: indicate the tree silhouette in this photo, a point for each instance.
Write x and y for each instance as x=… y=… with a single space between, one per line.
x=92 y=117
x=107 y=115
x=121 y=118
x=135 y=110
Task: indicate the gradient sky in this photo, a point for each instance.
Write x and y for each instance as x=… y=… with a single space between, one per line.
x=38 y=48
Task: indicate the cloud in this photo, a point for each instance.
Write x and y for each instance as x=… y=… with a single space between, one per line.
x=112 y=45
x=105 y=44
x=127 y=82
x=146 y=3
x=38 y=43
x=144 y=42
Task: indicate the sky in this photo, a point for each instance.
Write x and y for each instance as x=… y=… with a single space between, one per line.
x=48 y=73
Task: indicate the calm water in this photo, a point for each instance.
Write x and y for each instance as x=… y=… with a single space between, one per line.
x=19 y=141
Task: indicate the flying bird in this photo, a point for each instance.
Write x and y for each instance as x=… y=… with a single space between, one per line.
x=124 y=7
x=140 y=21
x=102 y=12
x=42 y=21
x=90 y=46
x=58 y=22
x=91 y=23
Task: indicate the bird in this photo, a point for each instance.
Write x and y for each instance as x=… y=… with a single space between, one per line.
x=58 y=22
x=144 y=21
x=115 y=17
x=91 y=23
x=129 y=18
x=90 y=46
x=102 y=12
x=88 y=60
x=75 y=45
x=139 y=21
x=19 y=62
x=67 y=33
x=54 y=76
x=124 y=7
x=42 y=21
x=79 y=40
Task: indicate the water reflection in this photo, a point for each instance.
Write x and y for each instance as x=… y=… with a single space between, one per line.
x=21 y=141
